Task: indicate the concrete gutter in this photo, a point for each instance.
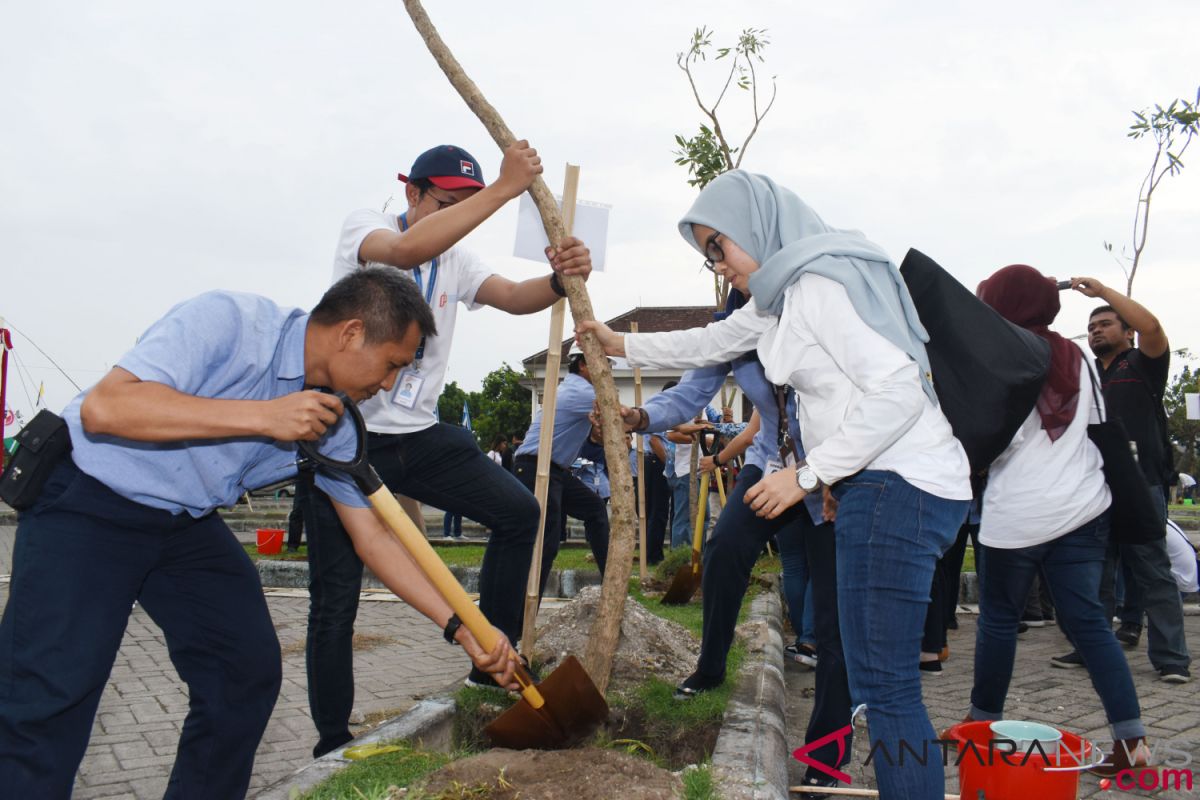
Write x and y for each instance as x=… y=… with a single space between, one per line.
x=429 y=723
x=750 y=757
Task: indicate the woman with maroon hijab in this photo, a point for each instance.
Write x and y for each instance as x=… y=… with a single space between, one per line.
x=1046 y=506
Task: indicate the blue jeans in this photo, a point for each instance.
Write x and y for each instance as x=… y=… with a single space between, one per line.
x=443 y=467
x=1149 y=586
x=797 y=592
x=890 y=536
x=83 y=555
x=681 y=527
x=729 y=556
x=1072 y=565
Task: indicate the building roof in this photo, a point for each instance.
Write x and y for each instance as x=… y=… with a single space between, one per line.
x=649 y=319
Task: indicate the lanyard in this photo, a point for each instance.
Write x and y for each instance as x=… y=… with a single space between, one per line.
x=433 y=271
x=787 y=446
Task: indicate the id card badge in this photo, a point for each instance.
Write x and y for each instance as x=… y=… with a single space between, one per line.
x=786 y=457
x=410 y=383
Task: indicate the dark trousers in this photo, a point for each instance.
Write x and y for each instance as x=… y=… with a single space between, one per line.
x=729 y=556
x=658 y=509
x=566 y=496
x=444 y=467
x=296 y=516
x=83 y=555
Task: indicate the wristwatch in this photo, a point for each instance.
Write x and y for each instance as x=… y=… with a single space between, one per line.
x=806 y=479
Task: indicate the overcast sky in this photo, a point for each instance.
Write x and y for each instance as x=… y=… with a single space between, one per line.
x=152 y=151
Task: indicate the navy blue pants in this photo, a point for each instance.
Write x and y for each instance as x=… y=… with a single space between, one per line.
x=83 y=555
x=566 y=496
x=444 y=467
x=729 y=557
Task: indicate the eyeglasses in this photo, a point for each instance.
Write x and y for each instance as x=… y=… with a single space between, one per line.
x=713 y=252
x=441 y=203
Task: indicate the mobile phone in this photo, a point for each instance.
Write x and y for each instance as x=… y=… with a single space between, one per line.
x=1063 y=285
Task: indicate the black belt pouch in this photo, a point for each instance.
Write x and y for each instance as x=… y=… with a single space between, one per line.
x=40 y=446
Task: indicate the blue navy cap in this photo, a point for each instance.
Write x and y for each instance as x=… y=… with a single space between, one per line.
x=447 y=167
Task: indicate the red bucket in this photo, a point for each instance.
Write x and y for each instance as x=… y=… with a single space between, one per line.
x=988 y=767
x=270 y=541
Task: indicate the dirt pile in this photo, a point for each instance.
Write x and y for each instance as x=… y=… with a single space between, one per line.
x=649 y=645
x=588 y=774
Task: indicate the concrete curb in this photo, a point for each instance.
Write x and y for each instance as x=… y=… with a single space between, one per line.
x=429 y=722
x=294 y=575
x=750 y=757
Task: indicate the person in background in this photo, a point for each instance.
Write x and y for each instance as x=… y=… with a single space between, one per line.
x=1134 y=380
x=1045 y=510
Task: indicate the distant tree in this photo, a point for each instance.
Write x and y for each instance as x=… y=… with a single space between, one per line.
x=501 y=406
x=710 y=153
x=1184 y=432
x=450 y=404
x=1172 y=130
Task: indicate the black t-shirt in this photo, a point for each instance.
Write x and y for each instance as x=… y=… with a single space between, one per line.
x=1134 y=385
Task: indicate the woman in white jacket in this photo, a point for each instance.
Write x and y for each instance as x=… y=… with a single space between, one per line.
x=1046 y=508
x=830 y=315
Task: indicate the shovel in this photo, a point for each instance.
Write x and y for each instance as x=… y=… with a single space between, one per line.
x=687 y=579
x=556 y=713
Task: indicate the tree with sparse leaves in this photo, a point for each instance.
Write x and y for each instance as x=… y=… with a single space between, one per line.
x=709 y=153
x=1172 y=130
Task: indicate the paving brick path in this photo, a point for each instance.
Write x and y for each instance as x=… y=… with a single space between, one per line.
x=1061 y=697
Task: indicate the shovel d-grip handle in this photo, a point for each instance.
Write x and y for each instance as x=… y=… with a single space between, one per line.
x=403 y=528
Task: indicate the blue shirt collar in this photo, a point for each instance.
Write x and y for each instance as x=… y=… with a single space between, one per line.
x=291 y=348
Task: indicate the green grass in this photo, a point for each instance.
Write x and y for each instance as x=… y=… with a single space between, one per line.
x=470 y=555
x=699 y=784
x=370 y=778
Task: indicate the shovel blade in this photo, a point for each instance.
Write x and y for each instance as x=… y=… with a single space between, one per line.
x=573 y=709
x=685 y=583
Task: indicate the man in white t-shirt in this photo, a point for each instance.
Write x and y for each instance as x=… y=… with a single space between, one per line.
x=415 y=454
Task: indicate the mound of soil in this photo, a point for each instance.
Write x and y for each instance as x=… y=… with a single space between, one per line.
x=649 y=645
x=588 y=774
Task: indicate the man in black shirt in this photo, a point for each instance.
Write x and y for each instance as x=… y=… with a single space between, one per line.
x=1133 y=381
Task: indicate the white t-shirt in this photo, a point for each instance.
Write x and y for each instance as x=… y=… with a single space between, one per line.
x=1039 y=490
x=683 y=460
x=495 y=456
x=459 y=276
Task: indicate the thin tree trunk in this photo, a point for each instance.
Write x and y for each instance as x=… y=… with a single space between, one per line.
x=602 y=642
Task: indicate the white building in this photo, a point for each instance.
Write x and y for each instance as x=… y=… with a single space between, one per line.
x=649 y=319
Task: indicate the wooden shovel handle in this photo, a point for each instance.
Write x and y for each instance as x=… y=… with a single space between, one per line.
x=388 y=508
x=701 y=507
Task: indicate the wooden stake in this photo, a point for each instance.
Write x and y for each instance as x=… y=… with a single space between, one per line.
x=603 y=637
x=641 y=464
x=558 y=313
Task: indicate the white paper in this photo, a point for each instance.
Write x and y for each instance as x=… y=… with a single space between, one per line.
x=591 y=227
x=1192 y=402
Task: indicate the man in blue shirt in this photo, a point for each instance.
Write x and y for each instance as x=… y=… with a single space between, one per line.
x=567 y=494
x=208 y=404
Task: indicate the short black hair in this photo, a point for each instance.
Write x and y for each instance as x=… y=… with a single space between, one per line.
x=422 y=185
x=573 y=363
x=1108 y=309
x=670 y=385
x=385 y=300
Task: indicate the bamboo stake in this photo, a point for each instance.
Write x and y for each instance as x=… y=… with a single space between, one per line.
x=641 y=464
x=558 y=313
x=602 y=640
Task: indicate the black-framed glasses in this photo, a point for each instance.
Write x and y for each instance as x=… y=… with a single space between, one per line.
x=441 y=203
x=713 y=254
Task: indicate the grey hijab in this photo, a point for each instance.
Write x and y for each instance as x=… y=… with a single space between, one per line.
x=789 y=239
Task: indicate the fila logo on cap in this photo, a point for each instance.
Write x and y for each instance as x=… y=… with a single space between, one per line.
x=467 y=168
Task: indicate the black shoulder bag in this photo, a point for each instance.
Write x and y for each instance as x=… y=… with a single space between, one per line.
x=40 y=446
x=1134 y=514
